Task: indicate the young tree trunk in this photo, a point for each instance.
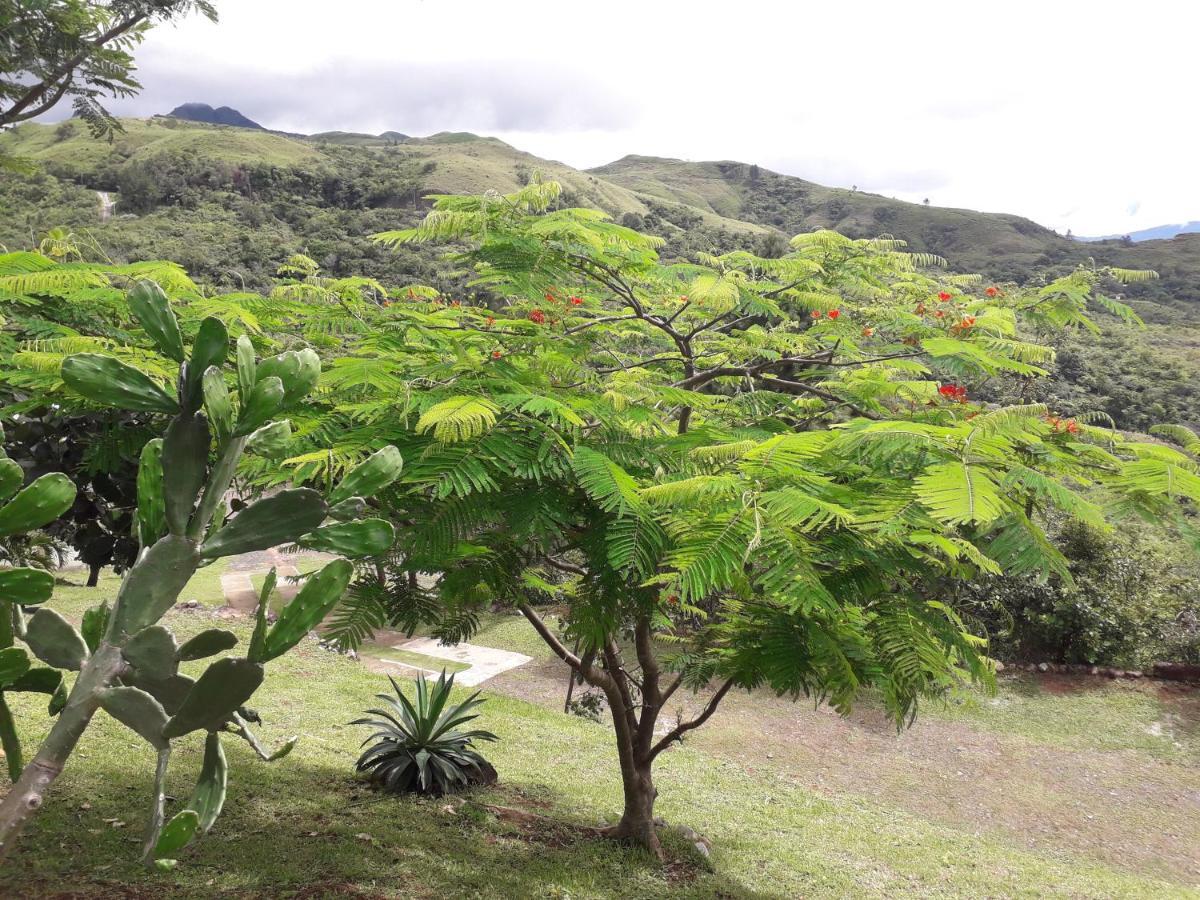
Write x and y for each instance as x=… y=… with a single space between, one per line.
x=27 y=795
x=93 y=576
x=637 y=819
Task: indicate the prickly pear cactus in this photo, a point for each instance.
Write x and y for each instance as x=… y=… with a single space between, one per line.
x=23 y=509
x=127 y=662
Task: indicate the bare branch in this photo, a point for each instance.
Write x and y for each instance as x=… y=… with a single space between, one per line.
x=679 y=730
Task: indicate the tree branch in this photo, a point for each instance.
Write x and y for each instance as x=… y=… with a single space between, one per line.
x=559 y=648
x=679 y=730
x=17 y=112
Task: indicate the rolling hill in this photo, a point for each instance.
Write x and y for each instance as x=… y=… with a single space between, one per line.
x=230 y=203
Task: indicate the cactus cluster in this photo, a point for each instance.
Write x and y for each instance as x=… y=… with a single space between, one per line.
x=127 y=662
x=22 y=510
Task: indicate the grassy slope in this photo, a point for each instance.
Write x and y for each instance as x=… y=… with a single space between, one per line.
x=464 y=163
x=725 y=194
x=999 y=244
x=796 y=205
x=143 y=139
x=304 y=822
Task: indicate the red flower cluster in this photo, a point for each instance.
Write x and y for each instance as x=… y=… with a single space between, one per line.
x=968 y=321
x=953 y=392
x=816 y=314
x=834 y=313
x=537 y=317
x=992 y=291
x=577 y=301
x=1070 y=426
x=496 y=354
x=943 y=296
x=550 y=298
x=491 y=320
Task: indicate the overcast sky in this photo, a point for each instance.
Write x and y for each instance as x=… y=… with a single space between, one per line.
x=1080 y=115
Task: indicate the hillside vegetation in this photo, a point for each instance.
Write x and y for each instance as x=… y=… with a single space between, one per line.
x=230 y=204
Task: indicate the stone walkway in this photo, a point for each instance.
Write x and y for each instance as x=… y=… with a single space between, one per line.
x=242 y=598
x=484 y=662
x=239 y=590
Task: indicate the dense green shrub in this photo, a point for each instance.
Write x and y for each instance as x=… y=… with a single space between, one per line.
x=1133 y=598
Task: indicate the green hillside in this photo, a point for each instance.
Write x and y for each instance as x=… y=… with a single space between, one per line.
x=231 y=203
x=1006 y=247
x=68 y=145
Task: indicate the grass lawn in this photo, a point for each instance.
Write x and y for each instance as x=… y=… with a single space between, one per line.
x=304 y=826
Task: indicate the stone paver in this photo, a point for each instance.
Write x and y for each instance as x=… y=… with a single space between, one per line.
x=485 y=662
x=239 y=591
x=241 y=598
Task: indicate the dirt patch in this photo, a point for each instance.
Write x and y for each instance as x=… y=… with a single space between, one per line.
x=1121 y=807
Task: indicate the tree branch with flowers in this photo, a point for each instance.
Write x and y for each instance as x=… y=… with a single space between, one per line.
x=730 y=473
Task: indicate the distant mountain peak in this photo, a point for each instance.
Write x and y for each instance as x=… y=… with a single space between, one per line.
x=1158 y=233
x=222 y=115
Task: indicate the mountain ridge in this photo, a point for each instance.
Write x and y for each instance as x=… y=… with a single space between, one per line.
x=1157 y=233
x=221 y=115
x=707 y=205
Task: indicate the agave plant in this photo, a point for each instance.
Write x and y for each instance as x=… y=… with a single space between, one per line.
x=418 y=747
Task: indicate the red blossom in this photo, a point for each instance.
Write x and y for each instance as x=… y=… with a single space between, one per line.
x=992 y=291
x=1073 y=427
x=491 y=320
x=953 y=392
x=550 y=298
x=943 y=296
x=537 y=317
x=577 y=301
x=496 y=354
x=968 y=321
x=834 y=313
x=816 y=314
x=938 y=313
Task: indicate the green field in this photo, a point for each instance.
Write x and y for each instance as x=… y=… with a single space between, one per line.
x=304 y=826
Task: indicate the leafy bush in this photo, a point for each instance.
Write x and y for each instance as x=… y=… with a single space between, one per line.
x=1133 y=597
x=418 y=748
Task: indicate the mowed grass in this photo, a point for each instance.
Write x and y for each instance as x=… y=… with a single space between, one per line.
x=305 y=825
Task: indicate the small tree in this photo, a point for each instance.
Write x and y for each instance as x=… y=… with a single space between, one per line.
x=735 y=473
x=128 y=662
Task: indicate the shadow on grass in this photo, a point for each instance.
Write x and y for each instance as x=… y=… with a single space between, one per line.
x=296 y=828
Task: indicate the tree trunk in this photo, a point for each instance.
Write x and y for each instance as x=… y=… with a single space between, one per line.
x=93 y=576
x=27 y=795
x=637 y=819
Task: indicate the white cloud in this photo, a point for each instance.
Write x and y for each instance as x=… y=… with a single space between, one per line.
x=1076 y=114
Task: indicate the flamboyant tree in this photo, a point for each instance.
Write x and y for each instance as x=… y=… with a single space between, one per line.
x=731 y=473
